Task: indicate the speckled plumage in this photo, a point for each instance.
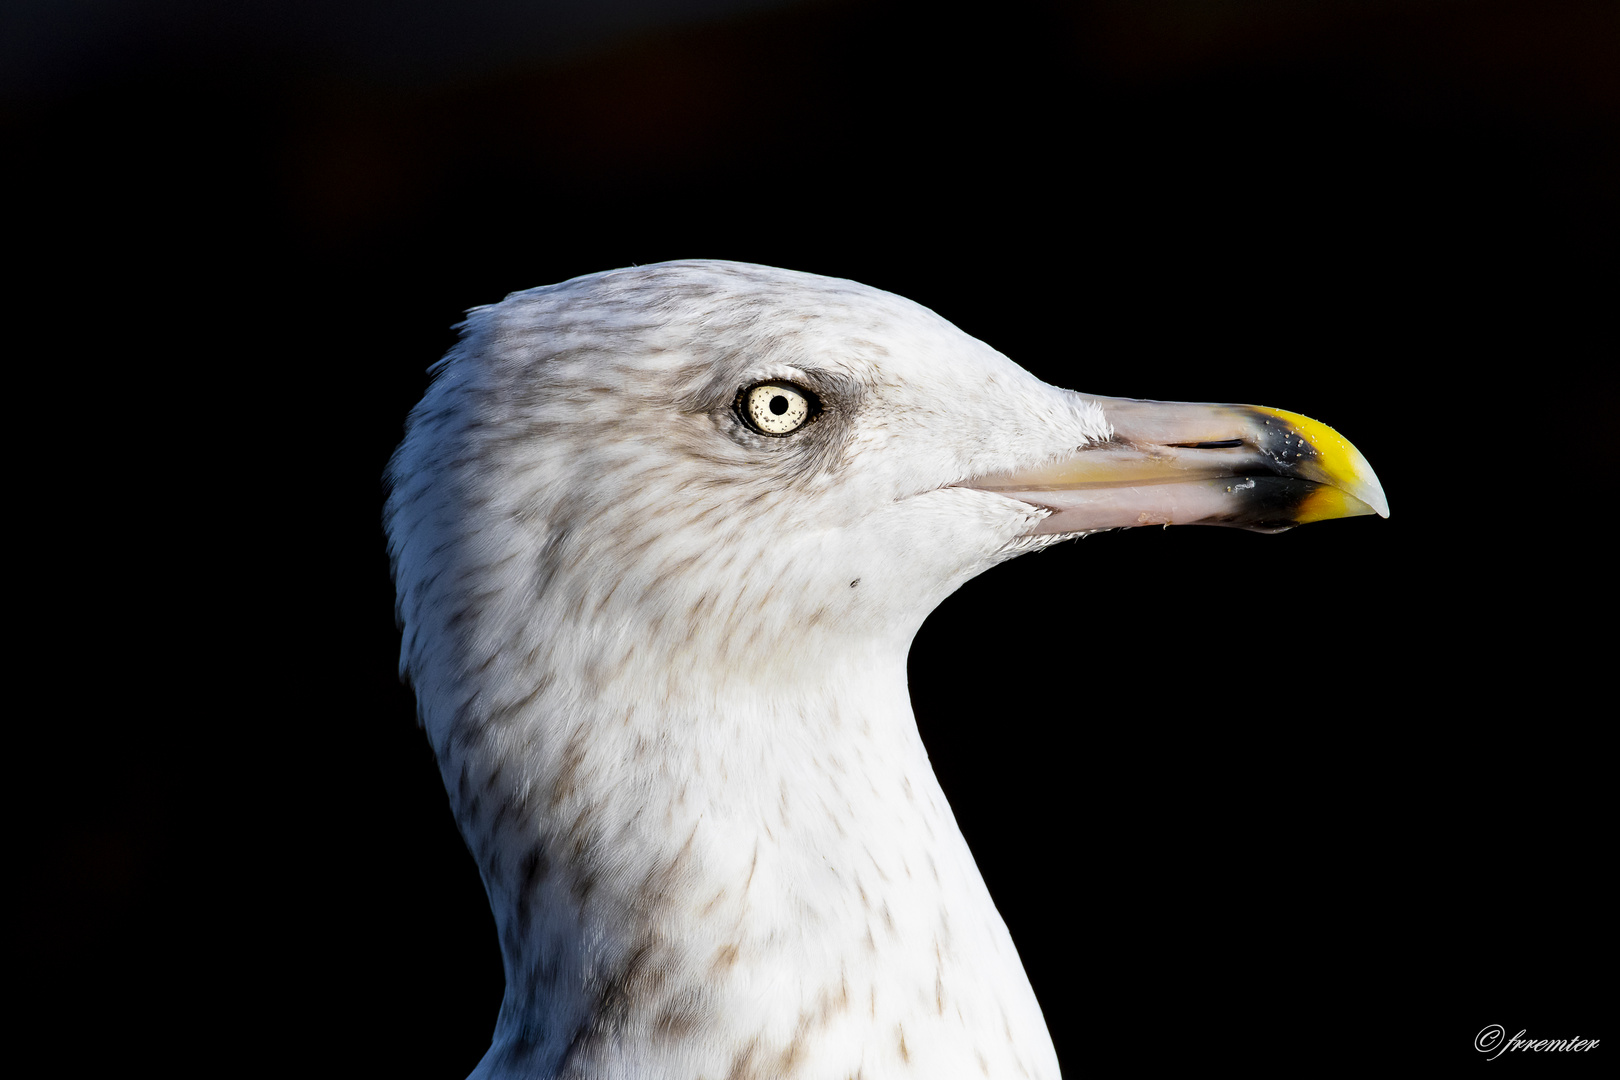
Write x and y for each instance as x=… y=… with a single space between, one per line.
x=661 y=659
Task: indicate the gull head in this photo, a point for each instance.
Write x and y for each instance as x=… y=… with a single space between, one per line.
x=616 y=435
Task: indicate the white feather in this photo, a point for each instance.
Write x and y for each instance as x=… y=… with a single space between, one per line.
x=661 y=659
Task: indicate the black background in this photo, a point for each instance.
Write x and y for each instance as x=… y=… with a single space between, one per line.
x=1306 y=797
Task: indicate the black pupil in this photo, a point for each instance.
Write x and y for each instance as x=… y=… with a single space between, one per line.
x=779 y=405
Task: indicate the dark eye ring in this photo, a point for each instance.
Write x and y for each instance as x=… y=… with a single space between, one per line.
x=776 y=408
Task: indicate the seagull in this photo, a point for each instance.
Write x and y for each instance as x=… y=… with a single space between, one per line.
x=661 y=538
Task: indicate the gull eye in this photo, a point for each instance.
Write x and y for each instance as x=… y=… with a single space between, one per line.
x=777 y=408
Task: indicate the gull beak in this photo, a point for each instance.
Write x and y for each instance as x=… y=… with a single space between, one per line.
x=1180 y=463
